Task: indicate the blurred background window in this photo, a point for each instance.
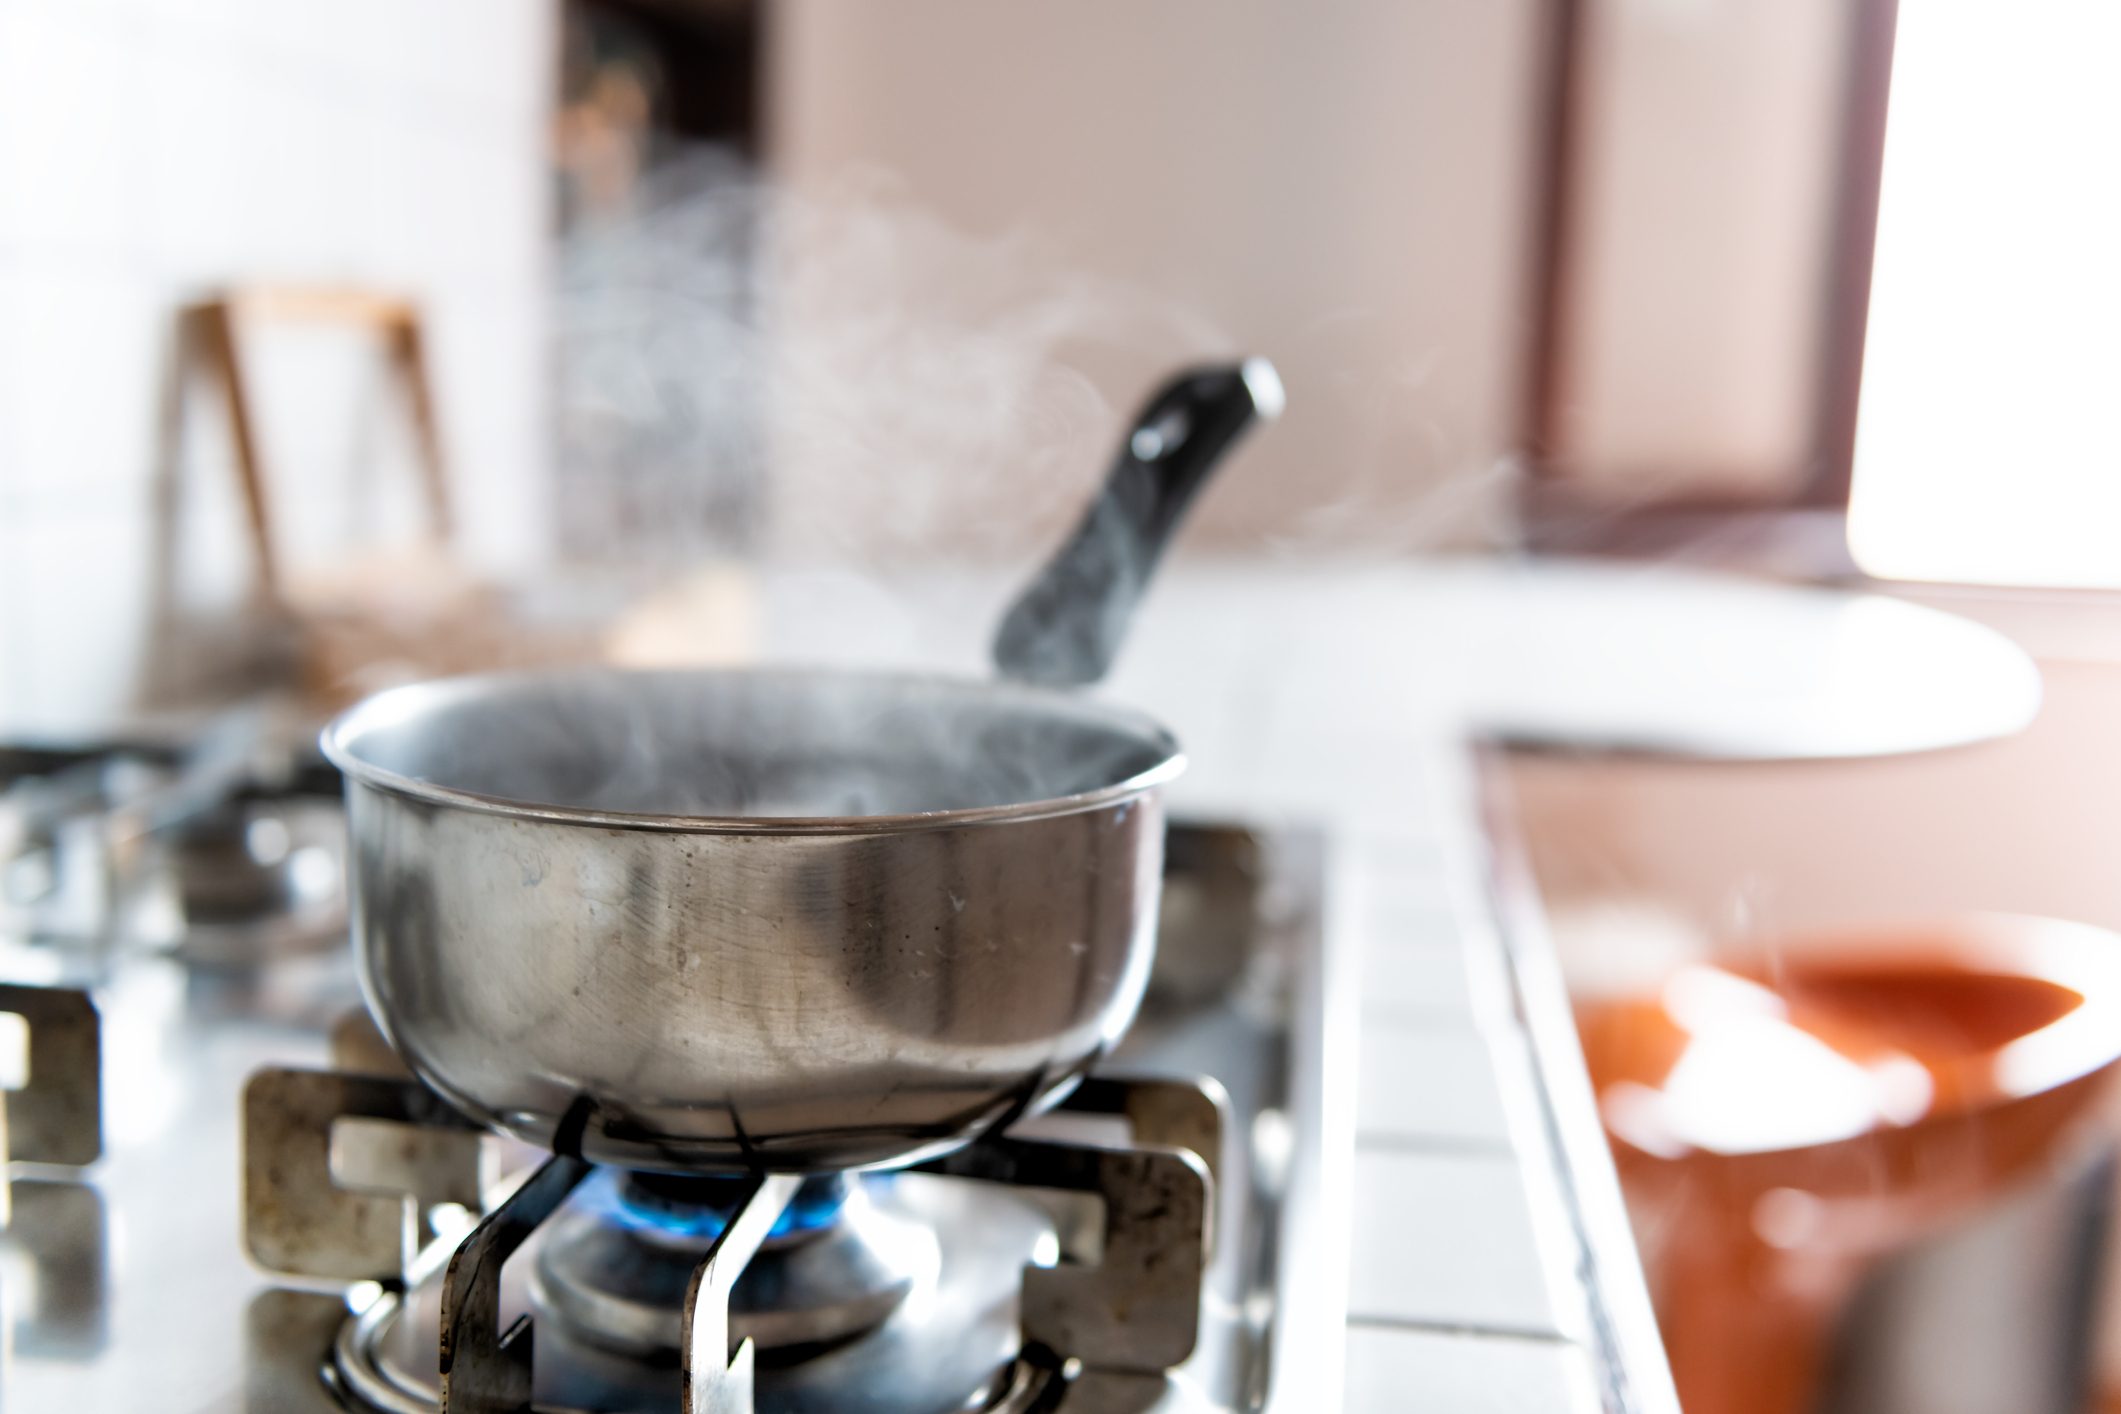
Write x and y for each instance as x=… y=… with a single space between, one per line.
x=1707 y=191
x=1986 y=449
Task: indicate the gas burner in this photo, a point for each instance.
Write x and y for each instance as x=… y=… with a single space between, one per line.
x=220 y=852
x=259 y=879
x=1019 y=1273
x=840 y=1259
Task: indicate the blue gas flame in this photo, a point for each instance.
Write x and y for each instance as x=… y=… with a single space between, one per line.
x=705 y=1209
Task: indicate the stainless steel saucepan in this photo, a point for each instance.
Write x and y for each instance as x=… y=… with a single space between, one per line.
x=794 y=921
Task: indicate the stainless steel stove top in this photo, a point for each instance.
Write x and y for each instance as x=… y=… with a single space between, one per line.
x=124 y=1283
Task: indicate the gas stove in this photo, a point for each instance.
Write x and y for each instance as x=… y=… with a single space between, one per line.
x=227 y=849
x=1138 y=1248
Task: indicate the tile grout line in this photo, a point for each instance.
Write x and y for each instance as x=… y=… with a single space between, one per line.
x=1525 y=1335
x=1418 y=1020
x=1437 y=1146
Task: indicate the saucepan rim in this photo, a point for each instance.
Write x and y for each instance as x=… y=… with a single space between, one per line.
x=339 y=742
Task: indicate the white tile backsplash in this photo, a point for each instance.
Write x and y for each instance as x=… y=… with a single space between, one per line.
x=69 y=129
x=463 y=206
x=16 y=664
x=495 y=347
x=194 y=178
x=291 y=174
x=1422 y=1372
x=375 y=44
x=479 y=54
x=95 y=566
x=150 y=153
x=82 y=354
x=14 y=290
x=475 y=56
x=1449 y=1241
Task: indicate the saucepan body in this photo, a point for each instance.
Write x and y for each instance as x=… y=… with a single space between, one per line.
x=717 y=921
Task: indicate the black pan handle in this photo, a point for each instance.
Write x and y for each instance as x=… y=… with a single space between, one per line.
x=1067 y=626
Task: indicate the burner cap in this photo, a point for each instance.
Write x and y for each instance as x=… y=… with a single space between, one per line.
x=617 y=1261
x=952 y=1344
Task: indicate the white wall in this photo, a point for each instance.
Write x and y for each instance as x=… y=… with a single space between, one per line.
x=151 y=151
x=1339 y=187
x=1706 y=149
x=1750 y=853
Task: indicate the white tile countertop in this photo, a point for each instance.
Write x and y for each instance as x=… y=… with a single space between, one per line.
x=1470 y=1283
x=1479 y=1235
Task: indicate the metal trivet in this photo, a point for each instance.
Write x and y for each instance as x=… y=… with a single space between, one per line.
x=1095 y=1334
x=56 y=1118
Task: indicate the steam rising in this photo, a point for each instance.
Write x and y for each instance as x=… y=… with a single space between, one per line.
x=752 y=745
x=839 y=377
x=835 y=375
